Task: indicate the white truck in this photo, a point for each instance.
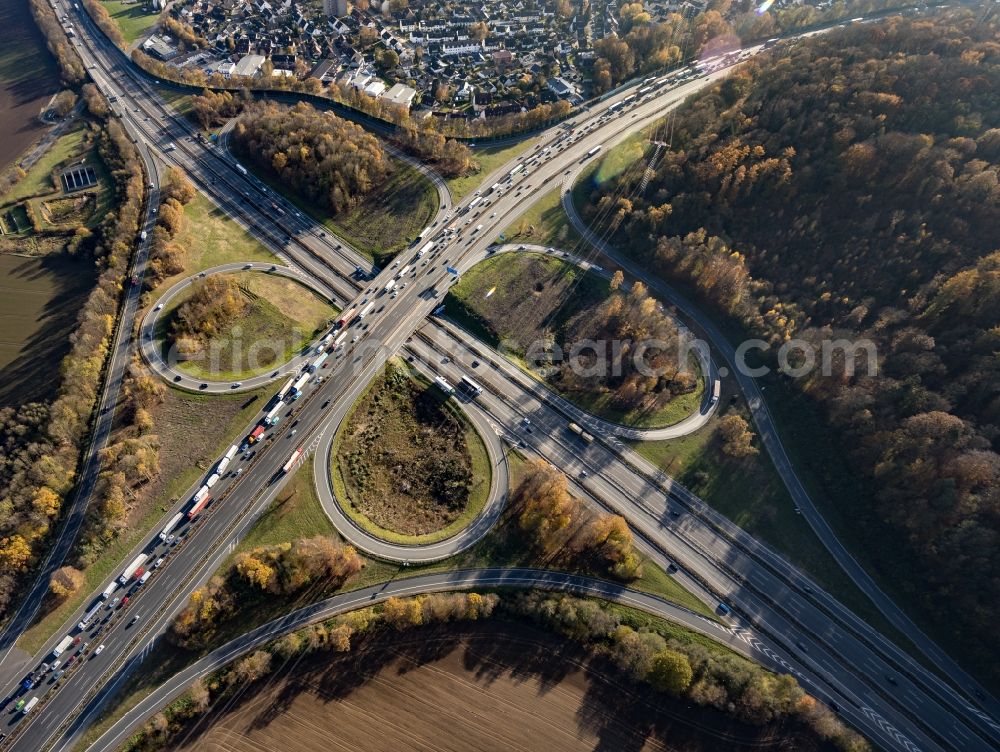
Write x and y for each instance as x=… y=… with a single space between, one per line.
x=130 y=570
x=174 y=522
x=63 y=645
x=112 y=587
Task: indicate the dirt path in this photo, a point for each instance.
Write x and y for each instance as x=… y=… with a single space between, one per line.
x=490 y=687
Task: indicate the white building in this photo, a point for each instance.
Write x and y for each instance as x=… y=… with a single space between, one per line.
x=401 y=95
x=249 y=65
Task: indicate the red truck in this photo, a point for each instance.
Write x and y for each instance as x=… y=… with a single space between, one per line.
x=255 y=435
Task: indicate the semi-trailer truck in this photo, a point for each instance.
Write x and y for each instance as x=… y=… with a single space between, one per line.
x=255 y=435
x=444 y=386
x=272 y=416
x=232 y=452
x=212 y=479
x=426 y=247
x=199 y=504
x=291 y=461
x=286 y=387
x=575 y=428
x=241 y=169
x=87 y=617
x=112 y=587
x=130 y=570
x=63 y=645
x=347 y=317
x=318 y=363
x=297 y=386
x=365 y=311
x=174 y=522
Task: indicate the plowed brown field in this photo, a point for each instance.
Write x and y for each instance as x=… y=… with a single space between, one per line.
x=485 y=688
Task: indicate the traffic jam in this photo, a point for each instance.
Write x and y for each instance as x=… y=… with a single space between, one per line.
x=82 y=643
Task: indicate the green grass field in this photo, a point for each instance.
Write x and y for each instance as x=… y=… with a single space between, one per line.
x=545 y=223
x=385 y=222
x=295 y=513
x=488 y=158
x=72 y=143
x=281 y=318
x=403 y=427
x=134 y=19
x=212 y=239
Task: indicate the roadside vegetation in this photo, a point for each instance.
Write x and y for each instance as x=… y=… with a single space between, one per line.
x=538 y=308
x=908 y=457
x=39 y=464
x=408 y=465
x=208 y=238
x=645 y=651
x=486 y=159
x=232 y=326
x=545 y=223
x=339 y=174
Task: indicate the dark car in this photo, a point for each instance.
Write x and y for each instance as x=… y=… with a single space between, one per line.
x=203 y=386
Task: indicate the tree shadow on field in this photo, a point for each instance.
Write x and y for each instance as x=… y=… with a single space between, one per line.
x=63 y=281
x=621 y=715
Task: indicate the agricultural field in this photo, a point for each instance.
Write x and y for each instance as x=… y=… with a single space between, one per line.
x=28 y=77
x=39 y=301
x=484 y=687
x=280 y=319
x=518 y=300
x=408 y=463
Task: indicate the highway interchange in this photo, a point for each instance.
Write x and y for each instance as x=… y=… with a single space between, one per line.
x=788 y=621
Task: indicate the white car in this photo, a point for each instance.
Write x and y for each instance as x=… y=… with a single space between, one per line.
x=159 y=307
x=236 y=385
x=100 y=649
x=159 y=563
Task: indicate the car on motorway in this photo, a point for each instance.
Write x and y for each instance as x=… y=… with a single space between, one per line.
x=100 y=649
x=158 y=563
x=236 y=385
x=159 y=307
